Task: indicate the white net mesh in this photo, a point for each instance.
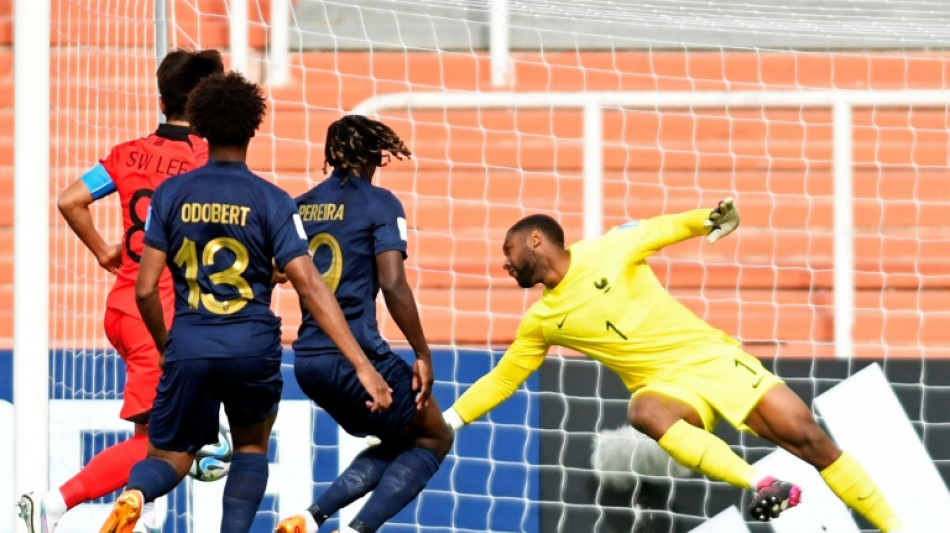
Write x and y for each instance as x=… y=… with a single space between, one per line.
x=479 y=165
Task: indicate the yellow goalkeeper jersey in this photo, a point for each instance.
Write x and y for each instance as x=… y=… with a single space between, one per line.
x=611 y=307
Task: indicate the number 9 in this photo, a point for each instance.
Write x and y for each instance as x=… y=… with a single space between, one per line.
x=332 y=274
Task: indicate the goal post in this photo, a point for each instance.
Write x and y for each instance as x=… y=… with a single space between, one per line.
x=31 y=247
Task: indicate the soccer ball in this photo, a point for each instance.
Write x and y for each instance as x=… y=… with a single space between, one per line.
x=213 y=461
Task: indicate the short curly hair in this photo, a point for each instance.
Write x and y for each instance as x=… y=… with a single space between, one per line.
x=355 y=141
x=544 y=223
x=226 y=109
x=179 y=73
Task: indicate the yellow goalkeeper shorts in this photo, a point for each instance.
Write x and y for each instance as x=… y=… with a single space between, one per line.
x=727 y=386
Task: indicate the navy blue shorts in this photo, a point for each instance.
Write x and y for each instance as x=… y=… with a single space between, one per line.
x=191 y=391
x=330 y=380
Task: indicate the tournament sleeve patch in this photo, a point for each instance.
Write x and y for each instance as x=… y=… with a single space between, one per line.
x=403 y=229
x=148 y=217
x=299 y=225
x=99 y=182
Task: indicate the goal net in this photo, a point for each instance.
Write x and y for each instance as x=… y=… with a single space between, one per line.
x=827 y=121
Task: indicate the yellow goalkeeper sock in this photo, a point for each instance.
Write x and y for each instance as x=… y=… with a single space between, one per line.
x=853 y=485
x=707 y=454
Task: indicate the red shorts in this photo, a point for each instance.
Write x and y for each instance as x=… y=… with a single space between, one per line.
x=132 y=340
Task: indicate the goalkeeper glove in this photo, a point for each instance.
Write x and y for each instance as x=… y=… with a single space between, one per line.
x=452 y=419
x=722 y=221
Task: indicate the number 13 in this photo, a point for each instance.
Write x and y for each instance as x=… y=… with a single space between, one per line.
x=187 y=258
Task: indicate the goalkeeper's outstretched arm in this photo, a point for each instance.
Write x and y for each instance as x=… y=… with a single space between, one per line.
x=488 y=392
x=661 y=231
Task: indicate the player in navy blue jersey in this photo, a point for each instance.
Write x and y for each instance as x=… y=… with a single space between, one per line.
x=131 y=170
x=219 y=229
x=357 y=234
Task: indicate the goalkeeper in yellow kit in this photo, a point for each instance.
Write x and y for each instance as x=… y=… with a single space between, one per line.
x=602 y=299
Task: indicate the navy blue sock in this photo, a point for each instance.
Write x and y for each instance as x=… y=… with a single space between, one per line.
x=153 y=478
x=403 y=480
x=243 y=491
x=360 y=477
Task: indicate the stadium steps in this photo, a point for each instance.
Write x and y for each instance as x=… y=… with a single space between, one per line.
x=294 y=138
x=762 y=318
x=781 y=275
x=350 y=77
x=527 y=139
x=899 y=246
x=129 y=24
x=437 y=261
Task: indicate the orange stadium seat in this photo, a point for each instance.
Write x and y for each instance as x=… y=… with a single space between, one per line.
x=475 y=172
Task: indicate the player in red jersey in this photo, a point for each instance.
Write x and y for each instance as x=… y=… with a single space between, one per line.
x=133 y=169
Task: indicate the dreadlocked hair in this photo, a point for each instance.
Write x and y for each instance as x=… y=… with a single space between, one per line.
x=355 y=141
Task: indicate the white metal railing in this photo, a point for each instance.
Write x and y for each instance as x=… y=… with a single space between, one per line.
x=278 y=49
x=161 y=39
x=238 y=42
x=278 y=46
x=593 y=104
x=498 y=44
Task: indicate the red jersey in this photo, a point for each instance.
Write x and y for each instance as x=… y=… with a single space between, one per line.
x=136 y=169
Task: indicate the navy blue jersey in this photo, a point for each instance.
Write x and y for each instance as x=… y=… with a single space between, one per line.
x=348 y=224
x=221 y=227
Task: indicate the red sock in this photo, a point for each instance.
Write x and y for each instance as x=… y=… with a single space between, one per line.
x=106 y=472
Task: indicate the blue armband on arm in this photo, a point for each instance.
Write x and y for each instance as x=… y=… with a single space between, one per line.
x=99 y=182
